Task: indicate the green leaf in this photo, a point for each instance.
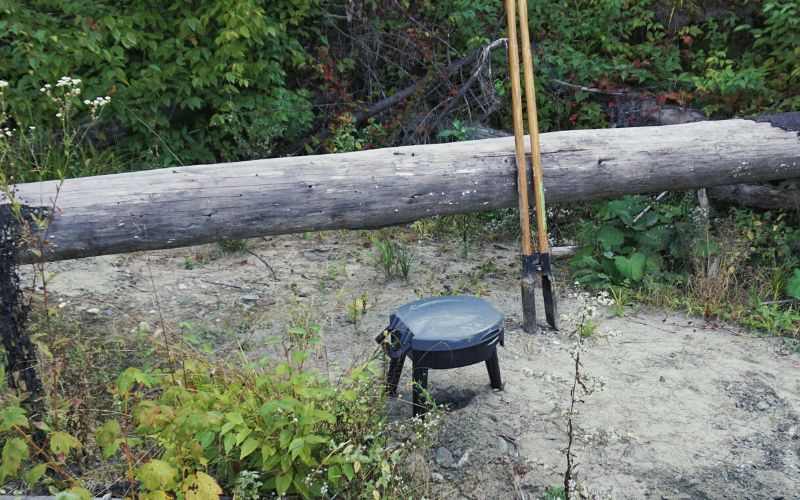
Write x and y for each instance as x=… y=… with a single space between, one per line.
x=107 y=437
x=63 y=443
x=610 y=236
x=158 y=475
x=296 y=446
x=11 y=416
x=348 y=470
x=793 y=285
x=334 y=473
x=250 y=445
x=14 y=452
x=74 y=493
x=235 y=417
x=33 y=475
x=282 y=483
x=631 y=267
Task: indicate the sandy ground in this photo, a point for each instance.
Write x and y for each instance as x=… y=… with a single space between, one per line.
x=688 y=410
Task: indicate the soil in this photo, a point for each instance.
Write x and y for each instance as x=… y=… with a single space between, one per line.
x=689 y=409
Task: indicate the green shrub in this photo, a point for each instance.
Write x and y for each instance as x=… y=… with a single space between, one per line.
x=265 y=428
x=215 y=82
x=625 y=243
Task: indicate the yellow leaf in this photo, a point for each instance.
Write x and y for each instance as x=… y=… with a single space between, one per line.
x=201 y=486
x=376 y=495
x=356 y=466
x=154 y=495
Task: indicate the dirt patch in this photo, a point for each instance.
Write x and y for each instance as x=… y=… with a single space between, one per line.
x=689 y=409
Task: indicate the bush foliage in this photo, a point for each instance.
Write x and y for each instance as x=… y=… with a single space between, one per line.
x=212 y=81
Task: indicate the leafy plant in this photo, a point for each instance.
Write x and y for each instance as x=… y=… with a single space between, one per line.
x=793 y=285
x=459 y=132
x=248 y=485
x=628 y=241
x=201 y=85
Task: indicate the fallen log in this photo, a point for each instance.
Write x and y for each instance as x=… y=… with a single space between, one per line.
x=758 y=196
x=184 y=206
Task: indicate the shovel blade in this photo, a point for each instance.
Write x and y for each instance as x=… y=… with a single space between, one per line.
x=550 y=308
x=528 y=305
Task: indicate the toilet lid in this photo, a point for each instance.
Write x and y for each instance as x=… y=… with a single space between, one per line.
x=446 y=323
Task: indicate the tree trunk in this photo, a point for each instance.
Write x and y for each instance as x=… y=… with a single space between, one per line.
x=759 y=196
x=177 y=207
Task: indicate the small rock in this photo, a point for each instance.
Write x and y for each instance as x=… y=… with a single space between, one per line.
x=144 y=327
x=501 y=445
x=443 y=457
x=248 y=299
x=436 y=477
x=181 y=286
x=93 y=311
x=662 y=379
x=62 y=305
x=763 y=406
x=463 y=460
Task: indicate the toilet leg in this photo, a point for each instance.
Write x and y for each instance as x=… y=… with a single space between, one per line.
x=493 y=367
x=393 y=375
x=420 y=383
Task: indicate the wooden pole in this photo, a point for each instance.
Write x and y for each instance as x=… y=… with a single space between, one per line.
x=543 y=255
x=528 y=300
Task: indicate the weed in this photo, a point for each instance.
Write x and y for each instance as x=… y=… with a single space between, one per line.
x=459 y=132
x=248 y=485
x=554 y=493
x=394 y=258
x=356 y=308
x=385 y=255
x=233 y=246
x=622 y=299
x=404 y=257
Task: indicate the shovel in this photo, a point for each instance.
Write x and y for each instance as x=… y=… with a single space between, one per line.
x=533 y=263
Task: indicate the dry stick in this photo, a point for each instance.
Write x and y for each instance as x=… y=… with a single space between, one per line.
x=483 y=59
x=274 y=276
x=528 y=304
x=570 y=432
x=49 y=460
x=364 y=113
x=649 y=207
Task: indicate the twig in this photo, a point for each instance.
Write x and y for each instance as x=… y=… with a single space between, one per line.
x=364 y=113
x=570 y=429
x=274 y=276
x=49 y=460
x=593 y=90
x=229 y=285
x=483 y=58
x=649 y=206
x=780 y=302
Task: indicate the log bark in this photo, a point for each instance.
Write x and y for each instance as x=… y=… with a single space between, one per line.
x=184 y=206
x=758 y=196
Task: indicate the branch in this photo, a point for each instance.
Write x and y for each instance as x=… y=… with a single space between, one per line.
x=366 y=112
